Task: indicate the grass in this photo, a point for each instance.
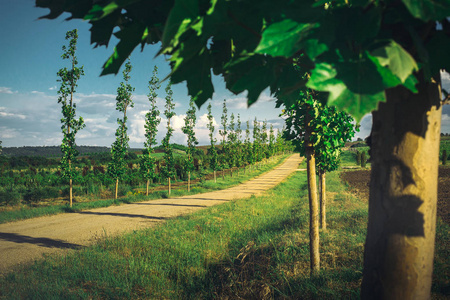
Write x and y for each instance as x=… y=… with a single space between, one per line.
x=207 y=186
x=253 y=249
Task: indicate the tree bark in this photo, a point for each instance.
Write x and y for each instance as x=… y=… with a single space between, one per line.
x=215 y=178
x=313 y=203
x=117 y=188
x=323 y=200
x=399 y=250
x=189 y=181
x=148 y=183
x=169 y=186
x=70 y=192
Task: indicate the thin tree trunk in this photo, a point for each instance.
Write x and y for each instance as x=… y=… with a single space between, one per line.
x=117 y=188
x=223 y=174
x=70 y=192
x=169 y=186
x=215 y=179
x=148 y=183
x=189 y=181
x=399 y=249
x=323 y=200
x=313 y=203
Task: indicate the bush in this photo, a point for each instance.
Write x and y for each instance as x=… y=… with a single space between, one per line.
x=9 y=196
x=363 y=159
x=358 y=158
x=35 y=194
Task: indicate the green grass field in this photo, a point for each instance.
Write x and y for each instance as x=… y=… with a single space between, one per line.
x=252 y=249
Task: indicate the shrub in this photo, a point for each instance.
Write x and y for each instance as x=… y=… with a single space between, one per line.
x=358 y=158
x=363 y=159
x=35 y=194
x=9 y=196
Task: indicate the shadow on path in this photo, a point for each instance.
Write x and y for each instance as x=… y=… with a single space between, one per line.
x=42 y=242
x=171 y=204
x=120 y=215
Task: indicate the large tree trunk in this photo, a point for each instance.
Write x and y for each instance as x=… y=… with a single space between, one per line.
x=313 y=203
x=399 y=250
x=323 y=200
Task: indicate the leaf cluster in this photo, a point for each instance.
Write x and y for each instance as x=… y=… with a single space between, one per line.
x=354 y=49
x=328 y=128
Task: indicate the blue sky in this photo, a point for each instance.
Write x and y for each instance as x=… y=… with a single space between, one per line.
x=30 y=56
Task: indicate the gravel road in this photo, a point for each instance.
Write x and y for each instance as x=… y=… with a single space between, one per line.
x=25 y=241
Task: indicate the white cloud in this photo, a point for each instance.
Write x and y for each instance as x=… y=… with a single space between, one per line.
x=6 y=90
x=8 y=133
x=5 y=114
x=52 y=88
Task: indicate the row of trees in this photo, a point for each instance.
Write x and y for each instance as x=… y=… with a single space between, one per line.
x=234 y=154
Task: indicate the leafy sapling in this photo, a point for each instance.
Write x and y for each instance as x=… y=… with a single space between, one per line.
x=70 y=124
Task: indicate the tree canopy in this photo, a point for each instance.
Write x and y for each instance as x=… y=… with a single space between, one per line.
x=344 y=41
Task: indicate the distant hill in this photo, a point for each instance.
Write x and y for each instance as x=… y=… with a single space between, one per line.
x=49 y=151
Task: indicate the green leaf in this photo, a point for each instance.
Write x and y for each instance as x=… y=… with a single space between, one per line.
x=357 y=102
x=97 y=12
x=130 y=37
x=253 y=73
x=197 y=73
x=182 y=15
x=427 y=10
x=396 y=59
x=438 y=49
x=281 y=38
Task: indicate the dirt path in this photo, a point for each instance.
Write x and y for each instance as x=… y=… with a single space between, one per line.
x=24 y=241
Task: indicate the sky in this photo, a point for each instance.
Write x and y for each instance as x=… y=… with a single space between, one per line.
x=30 y=57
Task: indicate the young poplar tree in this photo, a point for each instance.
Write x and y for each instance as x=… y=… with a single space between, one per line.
x=271 y=145
x=239 y=150
x=224 y=132
x=188 y=129
x=152 y=120
x=231 y=153
x=256 y=141
x=264 y=140
x=70 y=125
x=169 y=169
x=213 y=159
x=119 y=149
x=248 y=149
